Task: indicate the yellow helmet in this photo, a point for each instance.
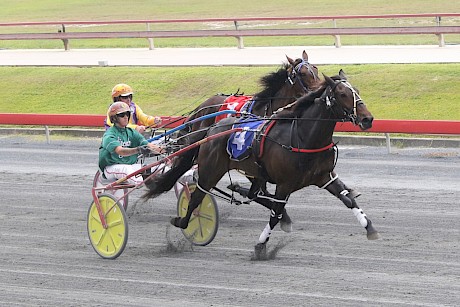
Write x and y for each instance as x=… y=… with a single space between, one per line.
x=117 y=108
x=121 y=90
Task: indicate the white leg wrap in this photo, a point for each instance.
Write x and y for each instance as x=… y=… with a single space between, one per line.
x=265 y=234
x=361 y=216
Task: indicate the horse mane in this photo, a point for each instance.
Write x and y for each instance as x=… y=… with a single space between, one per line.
x=304 y=102
x=271 y=84
x=308 y=99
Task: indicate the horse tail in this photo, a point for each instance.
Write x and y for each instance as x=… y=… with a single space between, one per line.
x=166 y=181
x=182 y=163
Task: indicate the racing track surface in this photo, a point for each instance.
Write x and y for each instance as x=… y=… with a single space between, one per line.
x=411 y=195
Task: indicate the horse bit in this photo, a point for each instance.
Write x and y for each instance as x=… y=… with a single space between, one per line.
x=330 y=101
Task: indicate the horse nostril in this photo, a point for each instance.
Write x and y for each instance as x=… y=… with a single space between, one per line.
x=366 y=122
x=368 y=119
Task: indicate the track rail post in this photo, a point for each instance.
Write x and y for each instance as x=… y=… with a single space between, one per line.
x=150 y=39
x=388 y=141
x=239 y=38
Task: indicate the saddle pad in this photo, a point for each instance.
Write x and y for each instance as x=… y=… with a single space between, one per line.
x=239 y=143
x=233 y=103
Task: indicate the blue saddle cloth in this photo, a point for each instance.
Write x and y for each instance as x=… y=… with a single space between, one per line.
x=239 y=143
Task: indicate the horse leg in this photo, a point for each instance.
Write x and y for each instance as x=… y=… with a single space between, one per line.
x=276 y=215
x=195 y=200
x=259 y=193
x=210 y=171
x=337 y=188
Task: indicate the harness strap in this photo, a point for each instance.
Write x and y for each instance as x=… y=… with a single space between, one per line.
x=330 y=181
x=311 y=150
x=263 y=133
x=280 y=201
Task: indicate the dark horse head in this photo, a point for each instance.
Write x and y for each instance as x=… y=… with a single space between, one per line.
x=293 y=80
x=344 y=101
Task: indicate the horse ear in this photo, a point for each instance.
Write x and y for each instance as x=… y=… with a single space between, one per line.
x=291 y=61
x=342 y=74
x=305 y=56
x=329 y=80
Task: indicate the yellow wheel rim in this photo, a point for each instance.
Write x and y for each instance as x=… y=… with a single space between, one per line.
x=203 y=224
x=108 y=242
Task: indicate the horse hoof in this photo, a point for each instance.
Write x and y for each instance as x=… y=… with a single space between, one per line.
x=372 y=233
x=354 y=194
x=235 y=187
x=286 y=223
x=286 y=227
x=260 y=251
x=373 y=236
x=177 y=222
x=174 y=221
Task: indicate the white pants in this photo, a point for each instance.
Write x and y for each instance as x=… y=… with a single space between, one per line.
x=118 y=171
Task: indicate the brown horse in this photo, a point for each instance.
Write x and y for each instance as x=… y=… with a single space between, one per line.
x=280 y=88
x=298 y=151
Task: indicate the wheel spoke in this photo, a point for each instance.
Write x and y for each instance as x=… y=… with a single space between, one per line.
x=200 y=227
x=104 y=231
x=96 y=218
x=115 y=223
x=113 y=241
x=208 y=217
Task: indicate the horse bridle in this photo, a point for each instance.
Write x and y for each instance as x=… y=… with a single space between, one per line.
x=295 y=74
x=330 y=101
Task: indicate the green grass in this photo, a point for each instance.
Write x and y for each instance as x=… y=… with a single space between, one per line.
x=110 y=10
x=415 y=91
x=43 y=10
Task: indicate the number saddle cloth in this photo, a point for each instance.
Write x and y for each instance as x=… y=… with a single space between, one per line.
x=238 y=103
x=240 y=143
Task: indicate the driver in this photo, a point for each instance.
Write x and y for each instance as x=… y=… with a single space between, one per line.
x=139 y=120
x=121 y=146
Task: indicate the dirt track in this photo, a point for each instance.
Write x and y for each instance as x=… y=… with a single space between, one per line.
x=412 y=196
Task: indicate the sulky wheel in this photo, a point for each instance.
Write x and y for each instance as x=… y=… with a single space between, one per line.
x=204 y=222
x=98 y=181
x=108 y=242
